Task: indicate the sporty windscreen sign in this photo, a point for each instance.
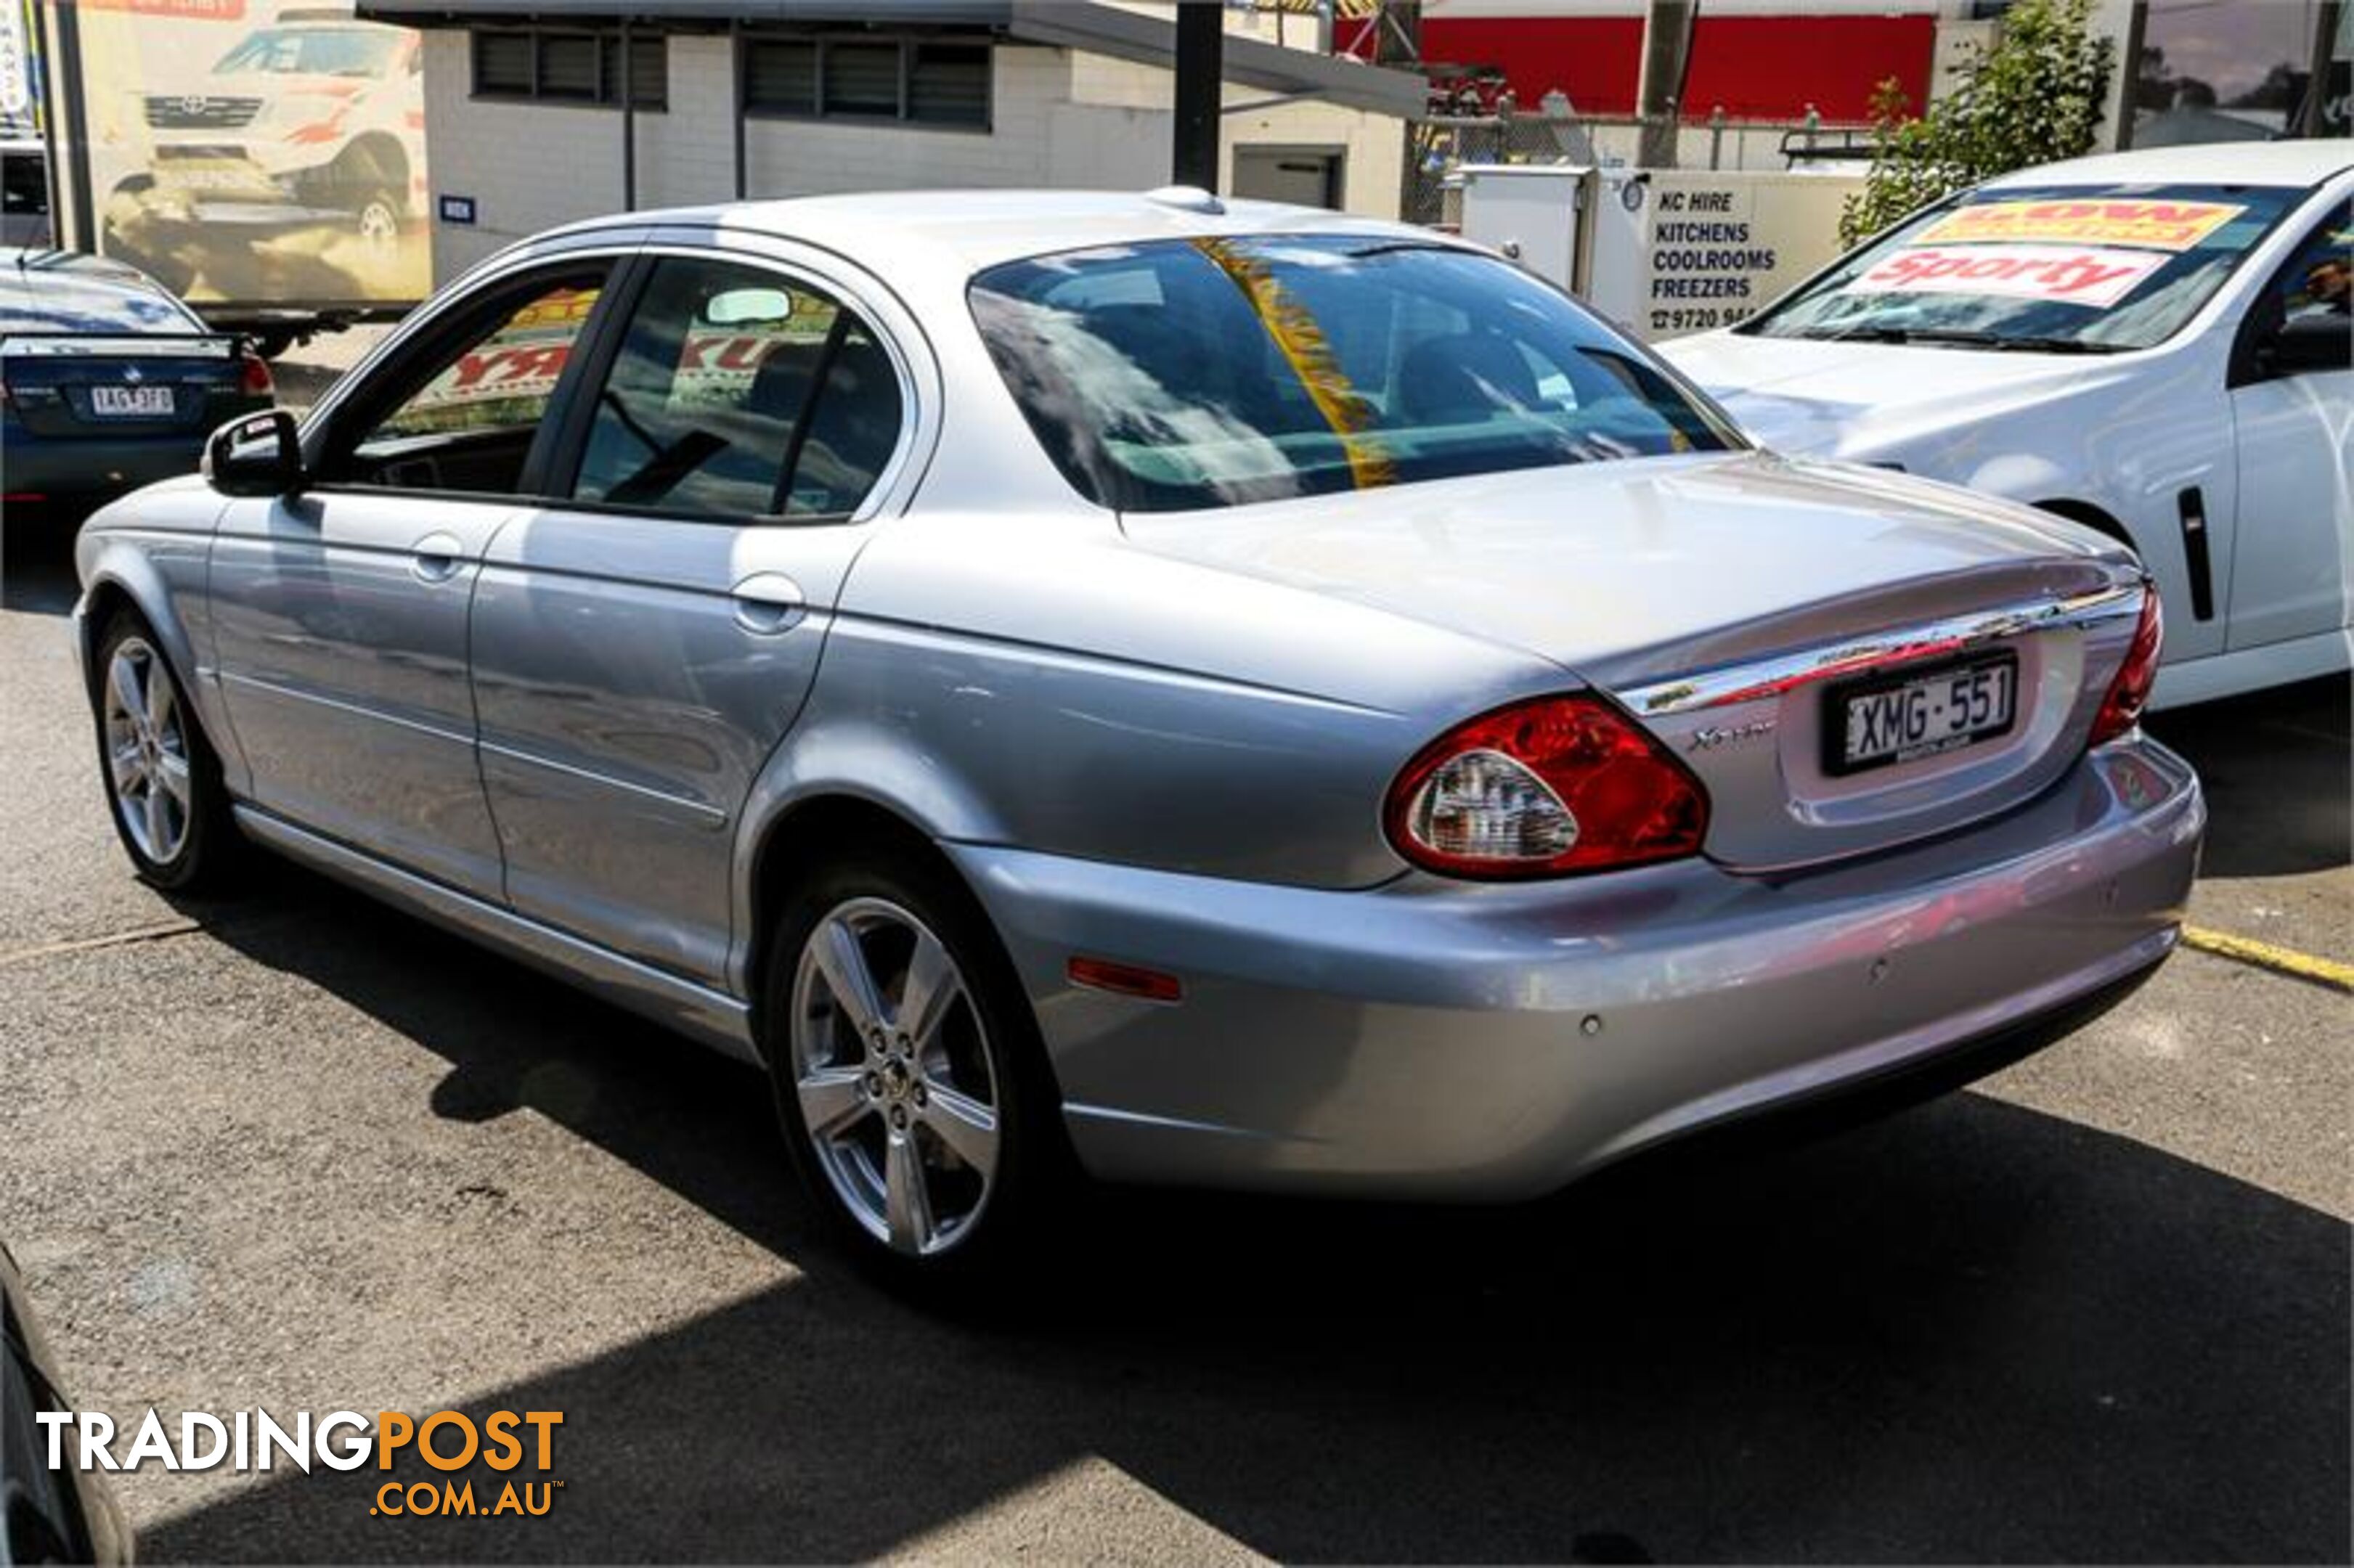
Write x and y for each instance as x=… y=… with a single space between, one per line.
x=2070 y=274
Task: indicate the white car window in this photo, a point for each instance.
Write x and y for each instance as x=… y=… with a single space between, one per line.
x=2319 y=280
x=2088 y=269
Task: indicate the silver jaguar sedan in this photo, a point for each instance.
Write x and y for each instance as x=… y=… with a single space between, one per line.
x=1179 y=691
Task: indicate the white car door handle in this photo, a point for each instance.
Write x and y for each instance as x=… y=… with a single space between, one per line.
x=768 y=603
x=436 y=557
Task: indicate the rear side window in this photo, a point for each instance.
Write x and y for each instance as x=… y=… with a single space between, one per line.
x=738 y=393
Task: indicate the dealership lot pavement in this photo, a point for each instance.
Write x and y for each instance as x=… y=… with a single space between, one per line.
x=291 y=1151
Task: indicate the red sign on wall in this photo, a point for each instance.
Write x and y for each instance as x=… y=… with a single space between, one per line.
x=1756 y=67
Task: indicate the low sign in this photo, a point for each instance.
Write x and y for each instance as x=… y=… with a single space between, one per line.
x=1661 y=251
x=1717 y=247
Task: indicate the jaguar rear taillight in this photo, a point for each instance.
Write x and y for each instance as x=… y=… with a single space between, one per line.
x=1553 y=787
x=2129 y=689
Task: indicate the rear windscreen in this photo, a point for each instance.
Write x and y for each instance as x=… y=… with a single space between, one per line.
x=37 y=302
x=1187 y=373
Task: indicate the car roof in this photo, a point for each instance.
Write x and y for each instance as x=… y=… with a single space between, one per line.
x=968 y=230
x=2300 y=165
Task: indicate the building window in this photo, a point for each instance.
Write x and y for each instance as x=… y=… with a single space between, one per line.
x=503 y=65
x=567 y=67
x=779 y=76
x=926 y=81
x=570 y=66
x=948 y=84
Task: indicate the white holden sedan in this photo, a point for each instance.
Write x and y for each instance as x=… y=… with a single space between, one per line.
x=2155 y=344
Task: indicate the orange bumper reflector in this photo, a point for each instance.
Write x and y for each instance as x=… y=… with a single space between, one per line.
x=1125 y=980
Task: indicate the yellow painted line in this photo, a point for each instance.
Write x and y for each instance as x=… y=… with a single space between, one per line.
x=92 y=944
x=2271 y=956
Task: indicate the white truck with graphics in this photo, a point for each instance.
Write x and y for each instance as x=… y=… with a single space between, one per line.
x=265 y=160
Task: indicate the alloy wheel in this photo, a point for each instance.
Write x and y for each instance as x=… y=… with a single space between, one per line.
x=148 y=768
x=896 y=1077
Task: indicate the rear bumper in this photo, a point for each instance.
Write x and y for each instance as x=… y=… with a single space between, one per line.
x=1437 y=1040
x=94 y=468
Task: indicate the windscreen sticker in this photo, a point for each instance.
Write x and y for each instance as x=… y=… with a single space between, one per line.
x=2170 y=226
x=2067 y=274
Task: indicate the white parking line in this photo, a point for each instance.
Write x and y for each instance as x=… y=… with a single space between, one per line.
x=88 y=943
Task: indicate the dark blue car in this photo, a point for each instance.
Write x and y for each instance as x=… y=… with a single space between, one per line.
x=107 y=382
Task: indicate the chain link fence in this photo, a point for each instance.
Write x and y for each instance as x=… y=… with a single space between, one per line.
x=1437 y=147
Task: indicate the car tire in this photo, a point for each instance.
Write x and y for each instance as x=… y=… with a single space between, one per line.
x=162 y=777
x=924 y=1126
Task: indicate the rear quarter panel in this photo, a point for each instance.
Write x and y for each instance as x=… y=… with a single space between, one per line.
x=1050 y=685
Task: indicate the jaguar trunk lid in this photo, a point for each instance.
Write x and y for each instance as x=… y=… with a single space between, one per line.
x=1738 y=605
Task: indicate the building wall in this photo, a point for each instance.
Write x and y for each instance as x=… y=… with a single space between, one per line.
x=1752 y=62
x=1373 y=145
x=1059 y=119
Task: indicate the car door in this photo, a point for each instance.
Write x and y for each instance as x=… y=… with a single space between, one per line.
x=2294 y=425
x=340 y=613
x=640 y=648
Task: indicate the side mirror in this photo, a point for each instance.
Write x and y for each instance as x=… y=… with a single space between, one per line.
x=256 y=455
x=2306 y=344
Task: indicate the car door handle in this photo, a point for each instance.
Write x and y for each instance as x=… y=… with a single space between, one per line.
x=768 y=603
x=436 y=557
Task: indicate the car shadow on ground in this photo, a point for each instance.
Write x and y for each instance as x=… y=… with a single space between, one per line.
x=37 y=570
x=2278 y=766
x=1969 y=1331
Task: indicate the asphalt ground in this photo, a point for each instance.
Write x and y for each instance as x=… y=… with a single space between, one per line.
x=292 y=1151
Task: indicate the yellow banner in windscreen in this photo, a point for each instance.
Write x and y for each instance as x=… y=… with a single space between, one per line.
x=2151 y=225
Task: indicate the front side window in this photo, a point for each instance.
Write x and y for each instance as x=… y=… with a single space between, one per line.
x=2319 y=280
x=1183 y=374
x=471 y=408
x=738 y=393
x=2068 y=269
